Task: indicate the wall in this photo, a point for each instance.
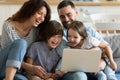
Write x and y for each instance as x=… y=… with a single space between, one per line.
x=7 y=11
x=84 y=11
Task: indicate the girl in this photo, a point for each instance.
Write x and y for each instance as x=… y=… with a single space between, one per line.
x=78 y=38
x=46 y=53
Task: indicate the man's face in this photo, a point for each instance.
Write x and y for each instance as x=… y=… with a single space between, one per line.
x=67 y=15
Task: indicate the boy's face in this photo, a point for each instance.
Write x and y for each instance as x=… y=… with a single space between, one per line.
x=73 y=38
x=67 y=15
x=54 y=41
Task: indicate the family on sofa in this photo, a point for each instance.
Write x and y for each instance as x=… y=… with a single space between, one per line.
x=27 y=26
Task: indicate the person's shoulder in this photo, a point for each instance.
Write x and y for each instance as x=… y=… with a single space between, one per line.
x=7 y=24
x=89 y=28
x=89 y=39
x=37 y=43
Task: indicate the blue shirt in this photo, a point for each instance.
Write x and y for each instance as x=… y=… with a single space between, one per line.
x=43 y=56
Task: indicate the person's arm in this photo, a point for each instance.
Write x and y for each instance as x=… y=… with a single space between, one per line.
x=108 y=53
x=58 y=71
x=93 y=33
x=29 y=60
x=28 y=65
x=35 y=70
x=106 y=50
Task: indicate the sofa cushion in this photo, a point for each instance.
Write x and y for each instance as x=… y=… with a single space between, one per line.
x=114 y=42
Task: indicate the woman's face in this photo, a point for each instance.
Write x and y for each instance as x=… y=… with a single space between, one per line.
x=54 y=41
x=73 y=38
x=38 y=17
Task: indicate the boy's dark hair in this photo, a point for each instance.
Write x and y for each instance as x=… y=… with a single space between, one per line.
x=79 y=27
x=65 y=3
x=52 y=28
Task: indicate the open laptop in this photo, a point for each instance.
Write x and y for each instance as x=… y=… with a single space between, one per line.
x=86 y=60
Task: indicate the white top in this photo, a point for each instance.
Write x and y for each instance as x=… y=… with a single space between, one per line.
x=90 y=42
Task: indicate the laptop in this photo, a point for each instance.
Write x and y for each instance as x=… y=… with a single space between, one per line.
x=86 y=60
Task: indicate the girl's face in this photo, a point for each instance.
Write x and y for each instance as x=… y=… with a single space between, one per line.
x=73 y=38
x=54 y=41
x=38 y=17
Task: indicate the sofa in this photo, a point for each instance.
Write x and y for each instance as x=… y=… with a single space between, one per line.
x=114 y=42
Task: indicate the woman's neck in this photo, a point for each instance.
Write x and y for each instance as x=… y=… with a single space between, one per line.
x=23 y=28
x=26 y=26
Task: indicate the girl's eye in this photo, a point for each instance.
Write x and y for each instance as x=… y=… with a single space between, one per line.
x=75 y=37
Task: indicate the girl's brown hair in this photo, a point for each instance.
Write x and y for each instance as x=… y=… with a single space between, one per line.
x=79 y=27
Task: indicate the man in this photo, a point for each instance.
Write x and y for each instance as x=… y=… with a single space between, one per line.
x=68 y=13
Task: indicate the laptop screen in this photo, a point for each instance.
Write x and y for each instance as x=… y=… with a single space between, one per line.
x=86 y=60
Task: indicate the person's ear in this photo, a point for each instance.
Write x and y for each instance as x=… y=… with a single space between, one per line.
x=76 y=12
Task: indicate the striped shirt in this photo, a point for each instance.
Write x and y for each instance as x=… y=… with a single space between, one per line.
x=9 y=34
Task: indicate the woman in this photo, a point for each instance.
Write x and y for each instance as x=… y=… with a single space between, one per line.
x=19 y=31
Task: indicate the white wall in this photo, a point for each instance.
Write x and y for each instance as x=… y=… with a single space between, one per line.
x=8 y=10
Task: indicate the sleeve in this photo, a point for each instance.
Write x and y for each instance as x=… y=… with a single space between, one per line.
x=8 y=34
x=93 y=33
x=58 y=68
x=9 y=31
x=32 y=52
x=59 y=52
x=95 y=42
